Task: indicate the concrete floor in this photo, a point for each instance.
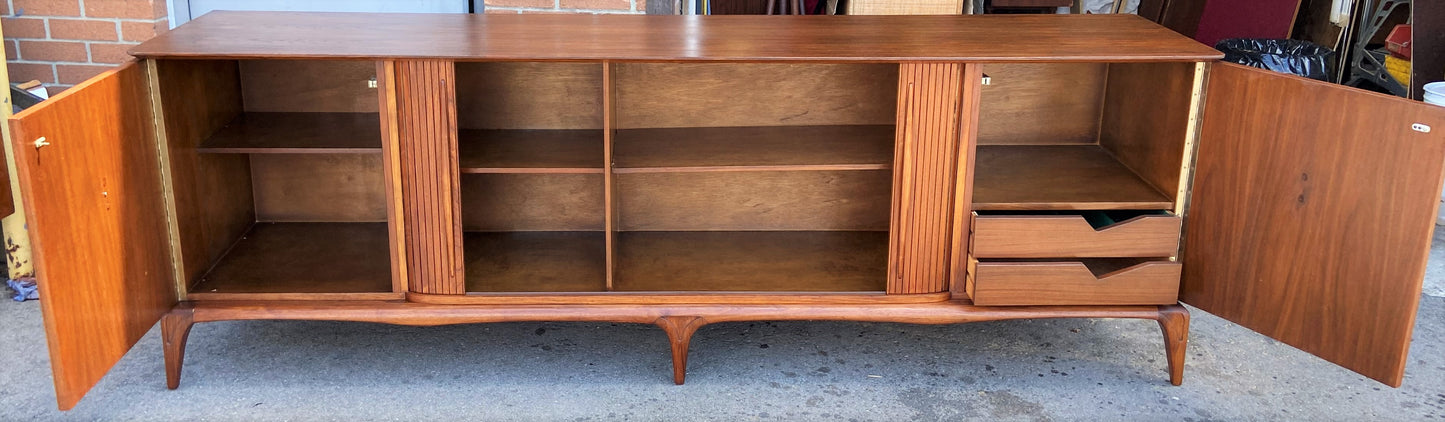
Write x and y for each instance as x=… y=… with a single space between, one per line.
x=1017 y=370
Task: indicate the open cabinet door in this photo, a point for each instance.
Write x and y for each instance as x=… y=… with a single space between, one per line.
x=91 y=186
x=1311 y=214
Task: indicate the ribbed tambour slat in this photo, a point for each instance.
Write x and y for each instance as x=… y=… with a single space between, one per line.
x=925 y=159
x=427 y=120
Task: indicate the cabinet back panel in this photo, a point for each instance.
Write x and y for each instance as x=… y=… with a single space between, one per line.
x=658 y=95
x=529 y=95
x=308 y=86
x=790 y=200
x=319 y=187
x=1041 y=103
x=532 y=202
x=211 y=192
x=1146 y=119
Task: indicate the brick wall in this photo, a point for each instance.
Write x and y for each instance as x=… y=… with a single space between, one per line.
x=567 y=6
x=63 y=42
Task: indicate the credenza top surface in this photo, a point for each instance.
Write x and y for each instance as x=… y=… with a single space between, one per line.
x=549 y=37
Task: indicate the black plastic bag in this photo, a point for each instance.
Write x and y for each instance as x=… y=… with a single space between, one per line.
x=1285 y=56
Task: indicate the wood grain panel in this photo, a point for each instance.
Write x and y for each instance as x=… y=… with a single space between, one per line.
x=97 y=223
x=781 y=147
x=210 y=195
x=1041 y=103
x=752 y=261
x=292 y=133
x=1058 y=177
x=961 y=243
x=925 y=160
x=1098 y=282
x=529 y=95
x=391 y=170
x=319 y=187
x=427 y=132
x=1071 y=236
x=532 y=202
x=1146 y=120
x=310 y=260
x=794 y=200
x=531 y=151
x=308 y=85
x=1312 y=214
x=663 y=95
x=549 y=37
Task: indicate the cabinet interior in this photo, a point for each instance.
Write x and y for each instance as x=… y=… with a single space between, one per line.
x=1082 y=136
x=275 y=169
x=719 y=177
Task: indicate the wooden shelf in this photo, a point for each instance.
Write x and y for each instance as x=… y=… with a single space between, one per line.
x=1058 y=177
x=701 y=149
x=536 y=261
x=308 y=258
x=812 y=261
x=531 y=151
x=293 y=133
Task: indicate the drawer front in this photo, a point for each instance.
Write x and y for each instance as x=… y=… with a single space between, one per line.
x=1090 y=282
x=1071 y=236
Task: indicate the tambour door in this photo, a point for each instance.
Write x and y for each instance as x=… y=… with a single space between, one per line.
x=1311 y=214
x=92 y=192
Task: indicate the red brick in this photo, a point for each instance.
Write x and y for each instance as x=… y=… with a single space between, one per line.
x=642 y=6
x=547 y=4
x=547 y=12
x=23 y=27
x=110 y=53
x=5 y=8
x=25 y=72
x=81 y=29
x=77 y=73
x=141 y=31
x=158 y=9
x=10 y=51
x=124 y=9
x=597 y=4
x=47 y=7
x=53 y=51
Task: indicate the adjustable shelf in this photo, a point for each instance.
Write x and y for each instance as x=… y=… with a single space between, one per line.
x=755 y=148
x=1058 y=177
x=297 y=132
x=530 y=151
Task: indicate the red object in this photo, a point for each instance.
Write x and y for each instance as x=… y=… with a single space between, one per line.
x=1399 y=41
x=1245 y=19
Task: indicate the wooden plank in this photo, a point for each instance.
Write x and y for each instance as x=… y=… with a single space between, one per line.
x=1146 y=114
x=1071 y=236
x=529 y=95
x=1041 y=103
x=531 y=151
x=755 y=147
x=536 y=261
x=308 y=85
x=210 y=195
x=925 y=155
x=752 y=261
x=302 y=258
x=961 y=243
x=811 y=200
x=319 y=187
x=97 y=223
x=391 y=169
x=1059 y=177
x=1312 y=213
x=1096 y=282
x=687 y=95
x=609 y=162
x=427 y=130
x=296 y=133
x=532 y=202
x=547 y=37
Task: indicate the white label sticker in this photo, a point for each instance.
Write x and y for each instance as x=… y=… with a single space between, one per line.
x=1421 y=127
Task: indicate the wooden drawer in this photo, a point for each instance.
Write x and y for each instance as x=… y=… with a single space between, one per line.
x=1073 y=236
x=1087 y=282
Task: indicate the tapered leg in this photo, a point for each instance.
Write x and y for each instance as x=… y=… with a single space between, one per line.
x=1174 y=321
x=175 y=327
x=679 y=331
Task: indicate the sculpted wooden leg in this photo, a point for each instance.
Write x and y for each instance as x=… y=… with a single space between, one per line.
x=1174 y=321
x=679 y=331
x=175 y=327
